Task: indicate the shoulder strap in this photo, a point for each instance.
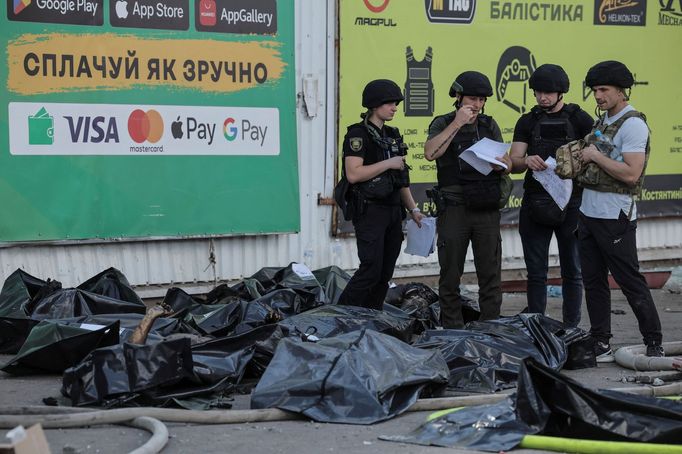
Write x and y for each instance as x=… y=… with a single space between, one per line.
x=485 y=120
x=537 y=112
x=392 y=131
x=632 y=113
x=615 y=126
x=571 y=109
x=448 y=118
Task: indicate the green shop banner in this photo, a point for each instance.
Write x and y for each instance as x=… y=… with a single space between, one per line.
x=147 y=118
x=423 y=45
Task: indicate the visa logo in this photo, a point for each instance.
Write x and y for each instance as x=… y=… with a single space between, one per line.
x=94 y=130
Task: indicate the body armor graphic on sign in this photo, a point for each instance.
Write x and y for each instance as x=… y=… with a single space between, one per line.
x=418 y=86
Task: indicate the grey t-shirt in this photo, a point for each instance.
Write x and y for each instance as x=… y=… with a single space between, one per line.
x=630 y=138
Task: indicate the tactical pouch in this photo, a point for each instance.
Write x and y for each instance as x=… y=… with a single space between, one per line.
x=482 y=195
x=343 y=198
x=437 y=199
x=569 y=163
x=589 y=176
x=378 y=187
x=506 y=187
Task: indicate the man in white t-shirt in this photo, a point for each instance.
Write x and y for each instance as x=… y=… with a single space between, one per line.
x=608 y=213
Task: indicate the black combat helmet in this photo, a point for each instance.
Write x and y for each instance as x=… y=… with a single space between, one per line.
x=609 y=73
x=471 y=83
x=549 y=78
x=381 y=91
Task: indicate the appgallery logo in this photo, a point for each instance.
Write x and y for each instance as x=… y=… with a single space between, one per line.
x=20 y=5
x=229 y=129
x=145 y=126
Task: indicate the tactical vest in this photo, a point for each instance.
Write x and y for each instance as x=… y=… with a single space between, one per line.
x=454 y=171
x=548 y=134
x=383 y=188
x=392 y=145
x=597 y=179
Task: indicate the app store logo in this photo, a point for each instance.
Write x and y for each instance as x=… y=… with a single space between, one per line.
x=166 y=15
x=121 y=9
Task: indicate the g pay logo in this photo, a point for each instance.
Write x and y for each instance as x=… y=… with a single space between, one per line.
x=145 y=126
x=251 y=133
x=229 y=130
x=19 y=5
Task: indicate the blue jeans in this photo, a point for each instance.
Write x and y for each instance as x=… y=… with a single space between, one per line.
x=535 y=239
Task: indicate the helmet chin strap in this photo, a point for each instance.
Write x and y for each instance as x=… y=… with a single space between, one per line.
x=551 y=108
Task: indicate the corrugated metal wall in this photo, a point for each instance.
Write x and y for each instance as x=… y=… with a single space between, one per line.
x=187 y=262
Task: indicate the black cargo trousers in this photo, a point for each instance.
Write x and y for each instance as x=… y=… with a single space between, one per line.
x=379 y=234
x=457 y=227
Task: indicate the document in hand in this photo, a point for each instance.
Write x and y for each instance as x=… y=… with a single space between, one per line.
x=559 y=189
x=481 y=154
x=421 y=241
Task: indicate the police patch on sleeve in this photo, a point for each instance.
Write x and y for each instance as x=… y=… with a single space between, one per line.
x=355 y=143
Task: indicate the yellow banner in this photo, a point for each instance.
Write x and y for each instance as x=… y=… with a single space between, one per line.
x=424 y=45
x=61 y=63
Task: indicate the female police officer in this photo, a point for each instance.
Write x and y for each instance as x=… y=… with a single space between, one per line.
x=374 y=164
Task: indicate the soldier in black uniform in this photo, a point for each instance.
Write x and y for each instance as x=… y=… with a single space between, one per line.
x=537 y=135
x=374 y=164
x=472 y=211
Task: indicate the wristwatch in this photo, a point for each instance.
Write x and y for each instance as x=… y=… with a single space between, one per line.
x=415 y=210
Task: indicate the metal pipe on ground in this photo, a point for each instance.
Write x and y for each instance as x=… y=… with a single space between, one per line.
x=633 y=357
x=29 y=415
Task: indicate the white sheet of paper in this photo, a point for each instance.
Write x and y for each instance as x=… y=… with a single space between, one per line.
x=302 y=270
x=481 y=154
x=559 y=189
x=421 y=241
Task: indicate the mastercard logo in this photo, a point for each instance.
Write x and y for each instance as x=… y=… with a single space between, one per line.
x=145 y=126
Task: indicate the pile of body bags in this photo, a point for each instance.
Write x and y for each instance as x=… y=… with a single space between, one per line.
x=278 y=334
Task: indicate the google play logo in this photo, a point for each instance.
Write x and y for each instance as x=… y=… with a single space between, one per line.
x=19 y=5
